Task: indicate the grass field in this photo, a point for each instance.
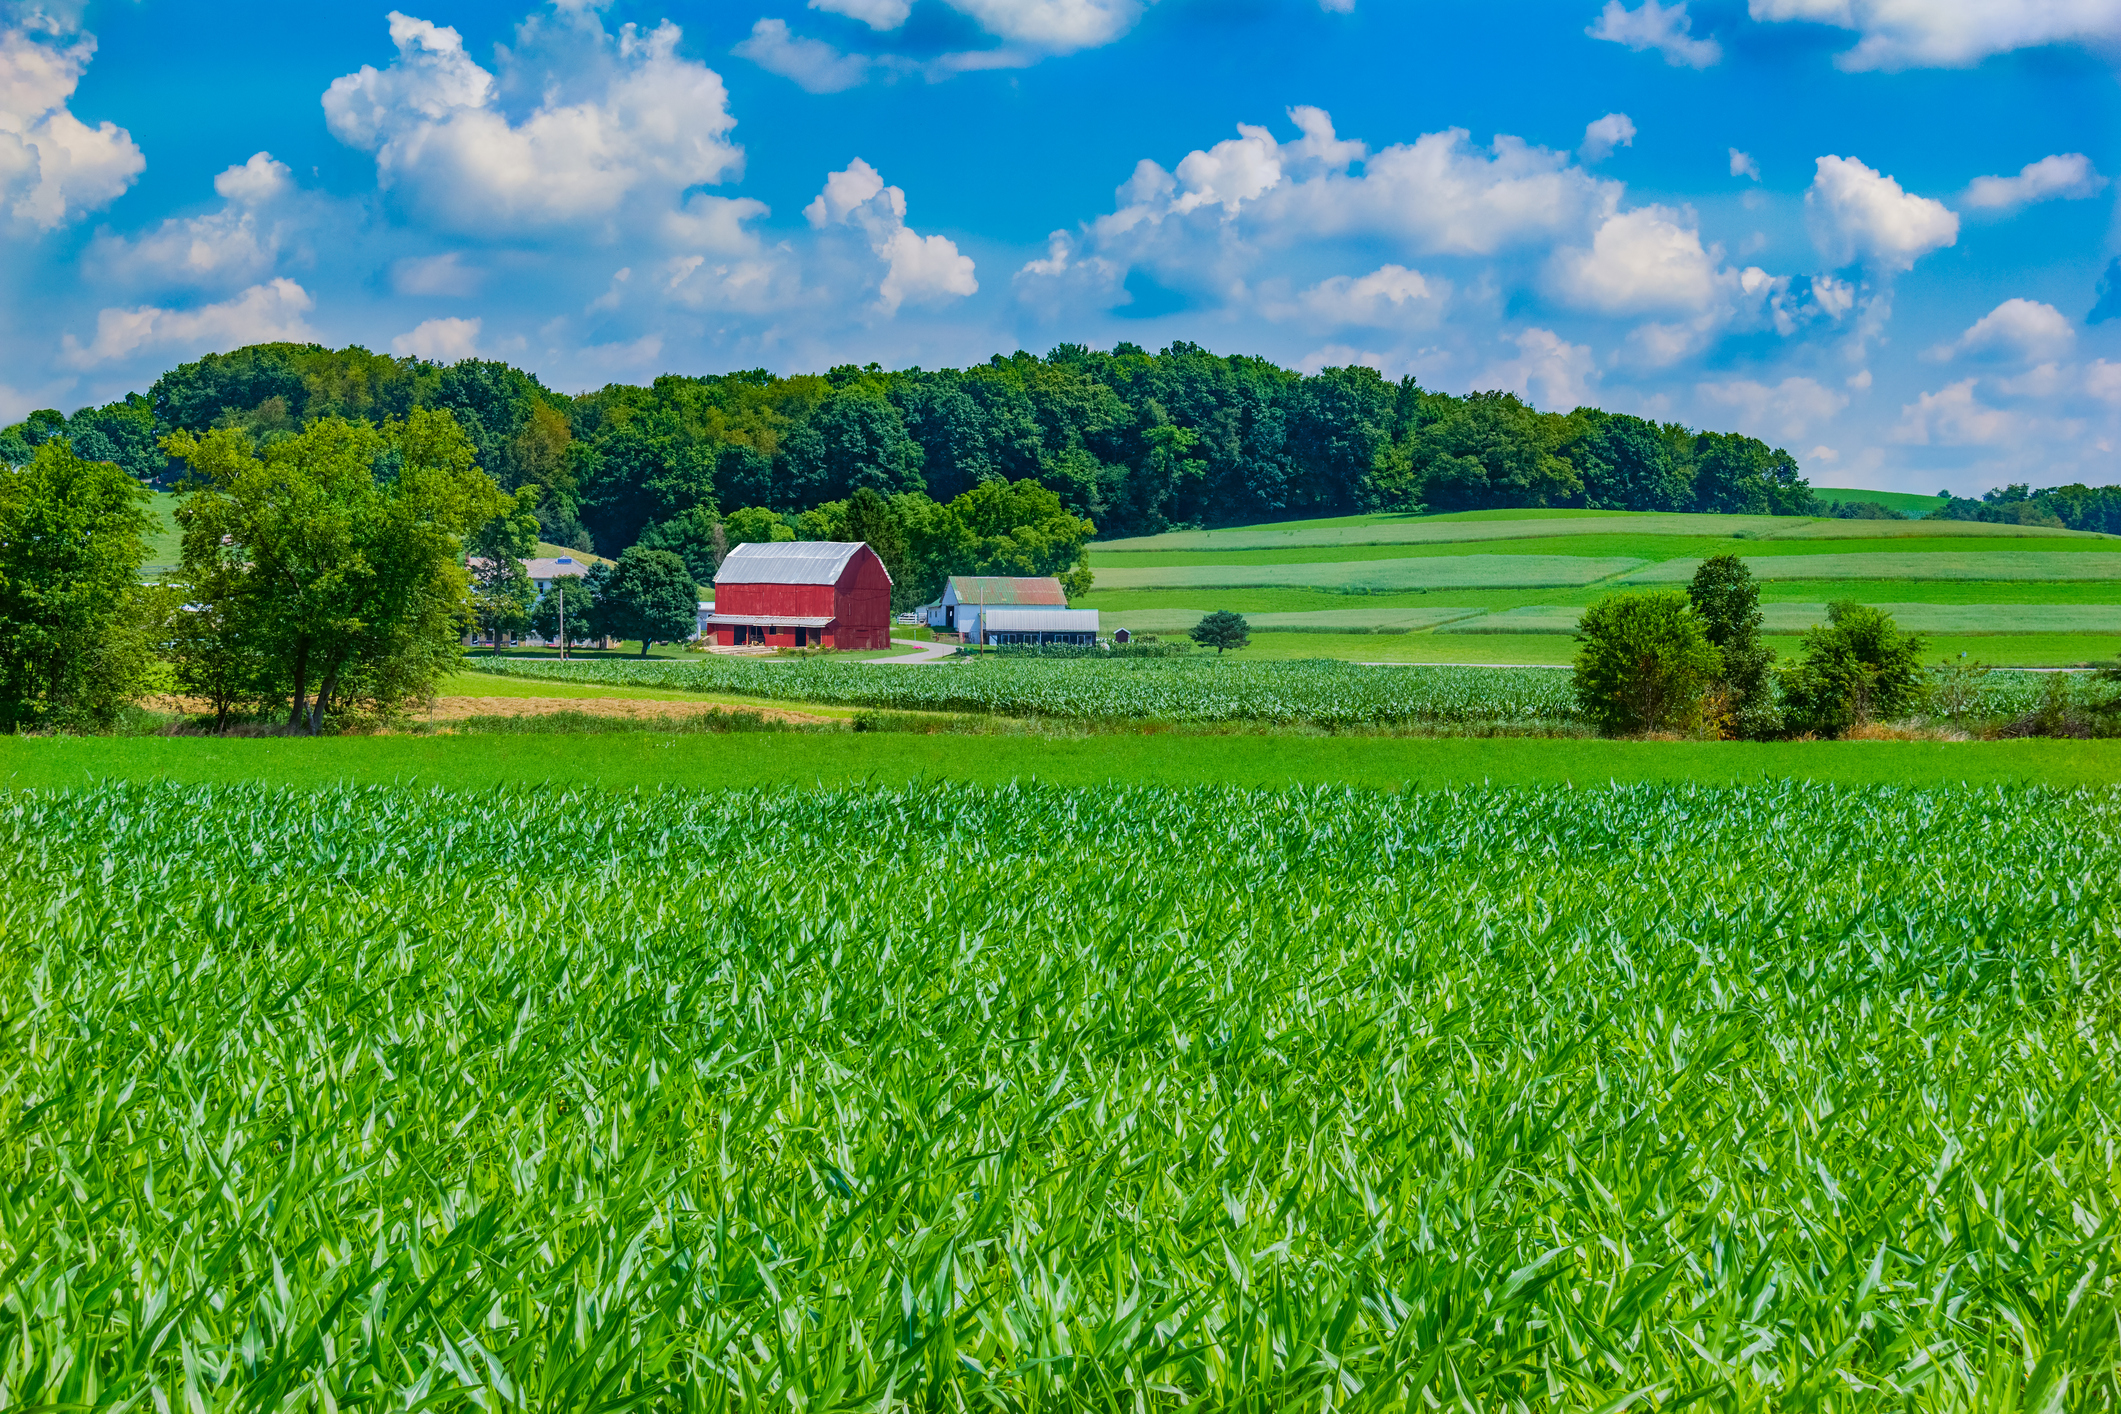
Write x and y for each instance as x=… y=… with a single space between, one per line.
x=1771 y=1097
x=1342 y=588
x=2017 y=650
x=1904 y=502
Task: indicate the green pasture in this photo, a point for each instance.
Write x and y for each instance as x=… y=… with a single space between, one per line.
x=1905 y=502
x=1634 y=545
x=1782 y=617
x=1406 y=572
x=2003 y=565
x=1482 y=526
x=1557 y=648
x=649 y=760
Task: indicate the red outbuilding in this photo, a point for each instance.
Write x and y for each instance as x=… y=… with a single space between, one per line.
x=808 y=594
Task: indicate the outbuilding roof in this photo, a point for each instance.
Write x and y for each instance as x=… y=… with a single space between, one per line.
x=788 y=562
x=1001 y=589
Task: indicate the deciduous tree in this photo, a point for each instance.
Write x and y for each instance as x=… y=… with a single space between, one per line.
x=1643 y=661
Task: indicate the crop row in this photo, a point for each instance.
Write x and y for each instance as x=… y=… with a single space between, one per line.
x=1028 y=1098
x=1166 y=689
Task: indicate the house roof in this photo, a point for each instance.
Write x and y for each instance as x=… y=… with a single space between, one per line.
x=796 y=562
x=999 y=589
x=556 y=567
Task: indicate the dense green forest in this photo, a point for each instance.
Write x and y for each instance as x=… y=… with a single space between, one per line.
x=1128 y=441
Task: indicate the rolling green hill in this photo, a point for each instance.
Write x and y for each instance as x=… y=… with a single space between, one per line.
x=1472 y=586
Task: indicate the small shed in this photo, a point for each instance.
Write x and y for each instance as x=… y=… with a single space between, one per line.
x=1007 y=625
x=805 y=594
x=978 y=591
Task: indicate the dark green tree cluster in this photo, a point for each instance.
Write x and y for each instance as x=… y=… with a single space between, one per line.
x=1130 y=441
x=2072 y=507
x=1692 y=661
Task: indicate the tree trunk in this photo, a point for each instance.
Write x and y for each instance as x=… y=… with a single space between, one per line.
x=644 y=648
x=324 y=691
x=294 y=718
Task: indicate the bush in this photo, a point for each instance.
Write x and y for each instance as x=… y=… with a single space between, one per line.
x=1856 y=667
x=1645 y=662
x=1727 y=598
x=1222 y=629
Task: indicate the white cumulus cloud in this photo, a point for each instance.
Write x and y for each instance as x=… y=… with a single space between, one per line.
x=55 y=168
x=917 y=268
x=1668 y=29
x=1857 y=214
x=1053 y=26
x=1906 y=34
x=2066 y=174
x=879 y=15
x=1601 y=136
x=812 y=64
x=642 y=123
x=239 y=242
x=1643 y=260
x=1743 y=165
x=1781 y=411
x=2015 y=329
x=1549 y=371
x=261 y=314
x=1390 y=296
x=440 y=340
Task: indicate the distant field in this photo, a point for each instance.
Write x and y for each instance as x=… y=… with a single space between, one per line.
x=1651 y=549
x=165 y=547
x=1796 y=617
x=1968 y=564
x=1907 y=503
x=2021 y=650
x=1451 y=531
x=1414 y=572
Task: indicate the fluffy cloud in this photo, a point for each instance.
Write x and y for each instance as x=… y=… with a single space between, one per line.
x=640 y=123
x=440 y=340
x=1743 y=165
x=1648 y=259
x=1857 y=214
x=1904 y=34
x=1389 y=297
x=237 y=243
x=1668 y=29
x=1782 y=411
x=2067 y=174
x=2020 y=329
x=879 y=15
x=917 y=268
x=1549 y=371
x=54 y=167
x=1441 y=194
x=1603 y=135
x=260 y=314
x=814 y=65
x=1954 y=416
x=1053 y=26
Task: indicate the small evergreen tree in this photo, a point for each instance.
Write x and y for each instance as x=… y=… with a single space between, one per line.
x=1222 y=629
x=1644 y=662
x=1727 y=598
x=1856 y=667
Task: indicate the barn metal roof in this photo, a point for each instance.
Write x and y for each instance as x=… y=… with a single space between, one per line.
x=788 y=562
x=993 y=620
x=1002 y=589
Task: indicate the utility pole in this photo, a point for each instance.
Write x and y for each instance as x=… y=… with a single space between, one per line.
x=561 y=590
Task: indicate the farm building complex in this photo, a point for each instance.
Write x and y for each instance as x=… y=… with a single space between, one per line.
x=1001 y=609
x=805 y=594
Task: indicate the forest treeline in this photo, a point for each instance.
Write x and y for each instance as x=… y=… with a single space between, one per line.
x=1128 y=441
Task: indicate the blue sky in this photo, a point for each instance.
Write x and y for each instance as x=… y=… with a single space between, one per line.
x=1872 y=231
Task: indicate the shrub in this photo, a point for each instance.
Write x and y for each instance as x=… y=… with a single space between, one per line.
x=1222 y=629
x=1727 y=598
x=1856 y=667
x=1644 y=662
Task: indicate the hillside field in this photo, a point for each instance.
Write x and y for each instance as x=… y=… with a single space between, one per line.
x=1347 y=588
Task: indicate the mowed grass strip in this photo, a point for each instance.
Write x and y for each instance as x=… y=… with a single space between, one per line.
x=1508 y=525
x=1994 y=565
x=1411 y=572
x=1652 y=548
x=1779 y=617
x=402 y=1098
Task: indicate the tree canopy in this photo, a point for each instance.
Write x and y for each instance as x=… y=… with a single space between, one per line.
x=1129 y=441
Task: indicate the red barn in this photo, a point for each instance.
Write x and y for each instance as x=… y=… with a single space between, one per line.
x=808 y=594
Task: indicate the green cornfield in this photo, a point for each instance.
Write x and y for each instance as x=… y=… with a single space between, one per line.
x=953 y=1098
x=1321 y=692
